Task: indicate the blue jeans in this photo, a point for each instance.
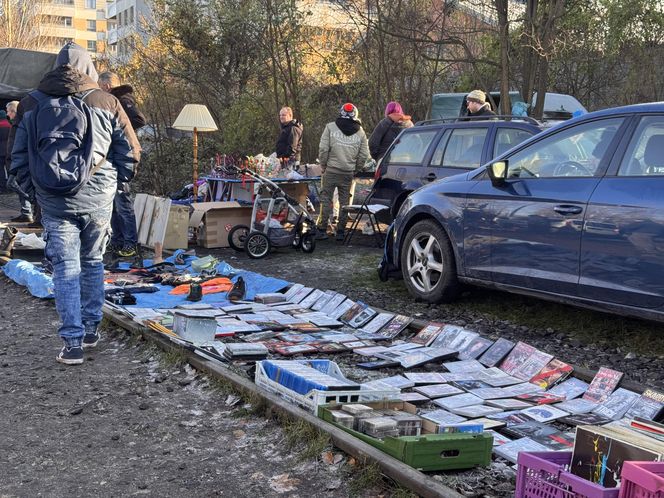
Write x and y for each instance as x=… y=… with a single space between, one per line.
x=123 y=221
x=75 y=246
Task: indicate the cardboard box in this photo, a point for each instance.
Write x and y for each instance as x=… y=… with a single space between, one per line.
x=217 y=219
x=177 y=229
x=298 y=191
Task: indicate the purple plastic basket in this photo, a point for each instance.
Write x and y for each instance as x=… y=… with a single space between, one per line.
x=545 y=475
x=642 y=480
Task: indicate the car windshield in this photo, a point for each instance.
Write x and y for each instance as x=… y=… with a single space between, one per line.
x=575 y=152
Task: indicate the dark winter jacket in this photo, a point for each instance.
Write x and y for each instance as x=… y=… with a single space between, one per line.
x=125 y=94
x=113 y=139
x=385 y=132
x=289 y=142
x=485 y=112
x=5 y=126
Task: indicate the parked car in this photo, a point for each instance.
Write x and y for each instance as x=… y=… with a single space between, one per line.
x=434 y=150
x=557 y=106
x=574 y=214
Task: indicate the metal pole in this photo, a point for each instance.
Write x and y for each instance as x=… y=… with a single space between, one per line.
x=195 y=164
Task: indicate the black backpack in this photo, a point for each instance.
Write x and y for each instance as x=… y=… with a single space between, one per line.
x=60 y=142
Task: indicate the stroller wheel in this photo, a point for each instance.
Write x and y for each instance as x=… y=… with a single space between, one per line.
x=308 y=242
x=257 y=245
x=237 y=236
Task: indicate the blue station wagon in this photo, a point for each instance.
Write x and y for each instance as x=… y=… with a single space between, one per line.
x=433 y=150
x=574 y=214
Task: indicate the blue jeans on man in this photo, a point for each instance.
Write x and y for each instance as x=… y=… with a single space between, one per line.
x=123 y=220
x=75 y=246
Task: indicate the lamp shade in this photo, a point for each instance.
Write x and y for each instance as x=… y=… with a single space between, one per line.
x=195 y=116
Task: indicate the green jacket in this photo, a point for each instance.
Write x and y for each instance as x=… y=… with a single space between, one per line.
x=342 y=153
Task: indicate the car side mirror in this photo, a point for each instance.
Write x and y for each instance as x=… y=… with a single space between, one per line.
x=497 y=172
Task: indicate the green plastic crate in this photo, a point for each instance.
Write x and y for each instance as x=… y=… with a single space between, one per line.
x=427 y=451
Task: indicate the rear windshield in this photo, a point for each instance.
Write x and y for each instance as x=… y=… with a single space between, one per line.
x=412 y=147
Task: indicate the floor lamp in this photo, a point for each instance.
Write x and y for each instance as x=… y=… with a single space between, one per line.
x=195 y=117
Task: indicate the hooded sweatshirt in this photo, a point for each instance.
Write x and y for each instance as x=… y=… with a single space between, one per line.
x=386 y=131
x=115 y=146
x=343 y=149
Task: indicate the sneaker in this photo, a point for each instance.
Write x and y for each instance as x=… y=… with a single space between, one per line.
x=238 y=291
x=90 y=339
x=70 y=356
x=127 y=251
x=22 y=218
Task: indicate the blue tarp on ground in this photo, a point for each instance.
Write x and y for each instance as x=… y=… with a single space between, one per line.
x=41 y=285
x=26 y=274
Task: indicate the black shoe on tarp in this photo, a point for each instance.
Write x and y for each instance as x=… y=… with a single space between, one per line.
x=195 y=292
x=238 y=291
x=22 y=218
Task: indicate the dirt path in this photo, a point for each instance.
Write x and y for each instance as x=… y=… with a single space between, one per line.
x=131 y=422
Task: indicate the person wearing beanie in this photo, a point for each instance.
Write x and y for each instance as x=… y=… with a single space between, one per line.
x=388 y=129
x=76 y=225
x=5 y=126
x=342 y=151
x=478 y=107
x=124 y=241
x=289 y=141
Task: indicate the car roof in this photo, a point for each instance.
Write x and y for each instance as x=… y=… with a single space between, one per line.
x=650 y=107
x=518 y=122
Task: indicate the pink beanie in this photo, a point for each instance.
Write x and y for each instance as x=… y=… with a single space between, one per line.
x=393 y=107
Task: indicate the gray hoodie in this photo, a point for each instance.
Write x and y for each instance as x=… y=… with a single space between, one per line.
x=113 y=137
x=342 y=153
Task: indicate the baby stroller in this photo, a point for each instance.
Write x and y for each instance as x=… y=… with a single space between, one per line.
x=277 y=220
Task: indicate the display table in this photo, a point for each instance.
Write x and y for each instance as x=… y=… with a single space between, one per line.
x=242 y=190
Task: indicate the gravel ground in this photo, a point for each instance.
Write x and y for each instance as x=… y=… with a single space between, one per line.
x=131 y=421
x=138 y=423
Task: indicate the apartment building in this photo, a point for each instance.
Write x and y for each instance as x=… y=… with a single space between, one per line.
x=81 y=21
x=125 y=19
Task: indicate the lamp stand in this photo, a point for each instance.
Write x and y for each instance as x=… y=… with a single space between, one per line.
x=195 y=164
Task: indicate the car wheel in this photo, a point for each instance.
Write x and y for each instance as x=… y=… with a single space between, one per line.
x=427 y=263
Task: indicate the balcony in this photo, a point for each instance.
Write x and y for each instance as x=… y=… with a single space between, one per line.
x=111 y=10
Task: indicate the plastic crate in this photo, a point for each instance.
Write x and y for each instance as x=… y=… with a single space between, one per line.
x=315 y=398
x=545 y=475
x=426 y=452
x=642 y=480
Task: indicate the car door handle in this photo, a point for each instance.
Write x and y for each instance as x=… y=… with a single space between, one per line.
x=566 y=209
x=430 y=177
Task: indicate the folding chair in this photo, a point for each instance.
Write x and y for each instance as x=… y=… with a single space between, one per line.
x=368 y=210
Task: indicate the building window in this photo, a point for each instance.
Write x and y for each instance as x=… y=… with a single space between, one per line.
x=92 y=25
x=91 y=4
x=68 y=21
x=92 y=46
x=131 y=15
x=63 y=2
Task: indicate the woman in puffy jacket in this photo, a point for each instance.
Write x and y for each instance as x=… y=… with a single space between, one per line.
x=388 y=129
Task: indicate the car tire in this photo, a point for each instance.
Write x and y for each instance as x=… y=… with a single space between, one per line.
x=427 y=263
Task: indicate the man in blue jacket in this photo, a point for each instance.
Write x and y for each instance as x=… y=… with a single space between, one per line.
x=76 y=226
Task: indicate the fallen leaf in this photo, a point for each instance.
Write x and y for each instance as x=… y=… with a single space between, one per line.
x=327 y=457
x=283 y=483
